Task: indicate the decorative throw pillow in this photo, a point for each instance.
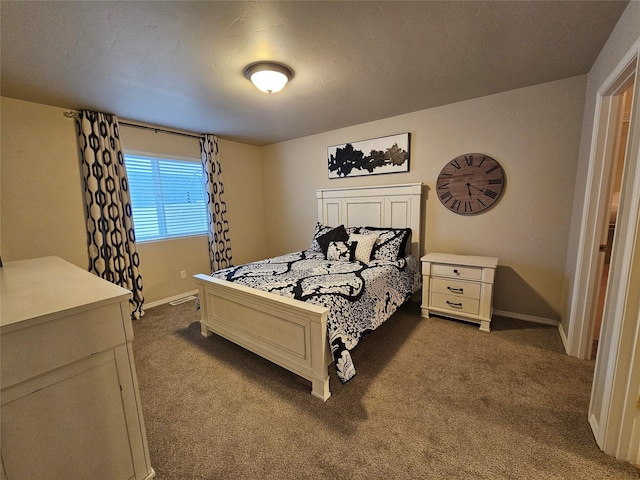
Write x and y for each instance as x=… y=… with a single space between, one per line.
x=391 y=243
x=320 y=230
x=341 y=251
x=338 y=234
x=365 y=245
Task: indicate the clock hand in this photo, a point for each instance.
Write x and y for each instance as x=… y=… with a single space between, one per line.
x=480 y=190
x=469 y=189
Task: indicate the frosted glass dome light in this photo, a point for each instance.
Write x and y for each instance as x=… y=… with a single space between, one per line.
x=269 y=77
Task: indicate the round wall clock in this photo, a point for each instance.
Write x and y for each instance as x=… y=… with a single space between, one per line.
x=470 y=184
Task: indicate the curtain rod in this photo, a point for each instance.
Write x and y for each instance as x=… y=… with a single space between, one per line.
x=155 y=129
x=72 y=114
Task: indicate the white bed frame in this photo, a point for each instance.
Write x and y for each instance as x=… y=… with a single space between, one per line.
x=289 y=332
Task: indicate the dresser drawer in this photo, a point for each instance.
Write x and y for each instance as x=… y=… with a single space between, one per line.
x=33 y=351
x=455 y=303
x=455 y=271
x=455 y=288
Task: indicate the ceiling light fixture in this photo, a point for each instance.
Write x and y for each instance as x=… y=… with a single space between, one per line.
x=270 y=77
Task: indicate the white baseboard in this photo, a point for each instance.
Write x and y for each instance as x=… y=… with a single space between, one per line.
x=527 y=318
x=563 y=337
x=501 y=313
x=157 y=303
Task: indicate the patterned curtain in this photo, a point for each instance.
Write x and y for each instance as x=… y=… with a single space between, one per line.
x=219 y=241
x=110 y=235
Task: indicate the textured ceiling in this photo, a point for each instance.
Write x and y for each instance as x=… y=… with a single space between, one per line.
x=180 y=64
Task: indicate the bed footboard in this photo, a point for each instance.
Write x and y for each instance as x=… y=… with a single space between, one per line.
x=288 y=332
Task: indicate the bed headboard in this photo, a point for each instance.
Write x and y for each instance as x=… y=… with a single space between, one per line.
x=393 y=206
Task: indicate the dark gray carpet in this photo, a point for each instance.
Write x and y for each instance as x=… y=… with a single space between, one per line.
x=432 y=399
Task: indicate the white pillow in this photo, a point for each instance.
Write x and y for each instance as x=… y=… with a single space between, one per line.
x=365 y=245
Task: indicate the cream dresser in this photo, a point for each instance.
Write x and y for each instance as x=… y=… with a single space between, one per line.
x=70 y=402
x=458 y=286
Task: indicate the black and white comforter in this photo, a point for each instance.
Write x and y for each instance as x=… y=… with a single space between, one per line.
x=340 y=286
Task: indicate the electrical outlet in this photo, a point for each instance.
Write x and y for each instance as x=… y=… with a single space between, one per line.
x=183 y=274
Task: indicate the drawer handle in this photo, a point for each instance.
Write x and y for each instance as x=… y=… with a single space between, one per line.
x=454 y=304
x=455 y=290
x=455 y=270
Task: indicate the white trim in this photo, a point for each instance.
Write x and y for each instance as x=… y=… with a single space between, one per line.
x=611 y=376
x=582 y=304
x=527 y=318
x=563 y=337
x=612 y=408
x=157 y=303
x=587 y=271
x=595 y=427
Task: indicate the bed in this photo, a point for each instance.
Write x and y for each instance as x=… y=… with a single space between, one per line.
x=294 y=333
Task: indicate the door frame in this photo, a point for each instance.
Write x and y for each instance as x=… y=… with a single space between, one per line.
x=596 y=205
x=613 y=416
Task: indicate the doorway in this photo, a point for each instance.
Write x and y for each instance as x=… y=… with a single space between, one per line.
x=610 y=236
x=621 y=131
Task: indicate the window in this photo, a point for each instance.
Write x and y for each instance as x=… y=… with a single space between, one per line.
x=167 y=197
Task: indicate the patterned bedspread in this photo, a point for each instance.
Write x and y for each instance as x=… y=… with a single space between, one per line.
x=360 y=296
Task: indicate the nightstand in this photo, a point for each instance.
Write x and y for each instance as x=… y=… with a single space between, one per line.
x=458 y=286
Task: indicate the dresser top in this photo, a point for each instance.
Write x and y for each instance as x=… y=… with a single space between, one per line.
x=41 y=287
x=470 y=260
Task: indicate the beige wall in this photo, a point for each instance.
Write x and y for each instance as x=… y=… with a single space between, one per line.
x=533 y=132
x=42 y=209
x=42 y=205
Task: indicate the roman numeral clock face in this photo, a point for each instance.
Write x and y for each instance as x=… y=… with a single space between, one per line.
x=470 y=184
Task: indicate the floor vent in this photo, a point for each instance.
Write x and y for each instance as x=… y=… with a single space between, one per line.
x=182 y=300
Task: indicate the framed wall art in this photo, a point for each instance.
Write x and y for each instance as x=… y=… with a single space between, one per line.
x=370 y=157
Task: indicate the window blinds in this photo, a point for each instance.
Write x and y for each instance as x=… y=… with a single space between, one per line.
x=167 y=197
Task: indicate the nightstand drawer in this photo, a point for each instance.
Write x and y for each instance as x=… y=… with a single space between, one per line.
x=455 y=288
x=455 y=304
x=456 y=271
